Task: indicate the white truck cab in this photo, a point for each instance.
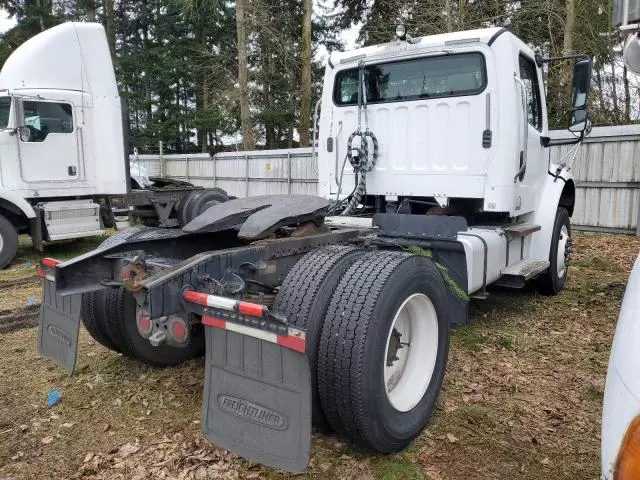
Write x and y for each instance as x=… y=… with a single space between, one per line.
x=63 y=157
x=456 y=124
x=61 y=137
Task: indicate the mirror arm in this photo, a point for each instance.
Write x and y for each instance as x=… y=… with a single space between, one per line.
x=554 y=142
x=577 y=56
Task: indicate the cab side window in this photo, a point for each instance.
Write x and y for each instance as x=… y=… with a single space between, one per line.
x=529 y=76
x=43 y=118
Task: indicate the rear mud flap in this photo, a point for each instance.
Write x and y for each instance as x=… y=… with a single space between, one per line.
x=58 y=326
x=257 y=400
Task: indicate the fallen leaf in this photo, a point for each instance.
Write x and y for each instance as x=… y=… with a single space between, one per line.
x=126 y=450
x=47 y=440
x=68 y=424
x=88 y=457
x=452 y=438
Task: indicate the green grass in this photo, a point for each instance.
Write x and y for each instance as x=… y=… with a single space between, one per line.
x=476 y=414
x=506 y=342
x=595 y=263
x=396 y=467
x=469 y=337
x=594 y=394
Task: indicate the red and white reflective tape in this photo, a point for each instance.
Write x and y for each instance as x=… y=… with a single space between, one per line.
x=224 y=303
x=295 y=340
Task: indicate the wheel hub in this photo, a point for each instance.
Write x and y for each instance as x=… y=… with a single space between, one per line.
x=394 y=345
x=409 y=364
x=564 y=251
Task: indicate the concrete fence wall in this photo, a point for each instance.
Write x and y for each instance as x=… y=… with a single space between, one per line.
x=606 y=169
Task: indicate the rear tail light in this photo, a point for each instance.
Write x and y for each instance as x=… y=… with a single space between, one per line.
x=49 y=262
x=179 y=329
x=628 y=462
x=144 y=323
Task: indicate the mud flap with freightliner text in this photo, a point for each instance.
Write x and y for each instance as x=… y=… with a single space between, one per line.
x=58 y=326
x=257 y=399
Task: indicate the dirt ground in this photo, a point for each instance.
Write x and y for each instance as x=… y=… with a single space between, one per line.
x=522 y=395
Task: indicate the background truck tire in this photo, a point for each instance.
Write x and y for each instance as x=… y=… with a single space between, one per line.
x=204 y=200
x=304 y=298
x=8 y=242
x=552 y=281
x=196 y=202
x=354 y=349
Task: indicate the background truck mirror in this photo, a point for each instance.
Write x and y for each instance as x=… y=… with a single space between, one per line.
x=580 y=95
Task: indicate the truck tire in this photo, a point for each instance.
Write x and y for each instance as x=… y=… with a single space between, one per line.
x=375 y=386
x=552 y=281
x=182 y=209
x=109 y=317
x=94 y=313
x=204 y=200
x=122 y=308
x=92 y=320
x=304 y=298
x=8 y=242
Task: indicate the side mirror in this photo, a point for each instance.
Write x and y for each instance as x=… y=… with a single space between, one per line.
x=580 y=95
x=24 y=133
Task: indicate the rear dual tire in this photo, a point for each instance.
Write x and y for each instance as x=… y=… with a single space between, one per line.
x=304 y=298
x=109 y=315
x=357 y=395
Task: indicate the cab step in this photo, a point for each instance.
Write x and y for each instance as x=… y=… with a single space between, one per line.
x=520 y=230
x=515 y=276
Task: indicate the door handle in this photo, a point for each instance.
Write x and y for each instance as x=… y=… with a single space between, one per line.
x=523 y=152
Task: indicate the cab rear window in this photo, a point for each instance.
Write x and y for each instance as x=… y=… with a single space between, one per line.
x=415 y=79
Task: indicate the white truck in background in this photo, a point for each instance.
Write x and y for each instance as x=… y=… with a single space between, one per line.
x=620 y=439
x=62 y=146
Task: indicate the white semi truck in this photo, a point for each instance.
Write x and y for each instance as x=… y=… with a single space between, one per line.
x=434 y=152
x=62 y=150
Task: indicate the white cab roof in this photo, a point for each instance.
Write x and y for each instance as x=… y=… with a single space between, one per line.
x=71 y=56
x=483 y=35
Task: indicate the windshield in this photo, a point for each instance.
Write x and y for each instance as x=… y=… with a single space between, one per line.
x=420 y=78
x=5 y=108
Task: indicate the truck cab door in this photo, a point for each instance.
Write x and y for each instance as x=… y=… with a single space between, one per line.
x=532 y=164
x=9 y=156
x=48 y=140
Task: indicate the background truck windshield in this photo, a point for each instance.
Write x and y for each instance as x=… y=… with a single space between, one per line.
x=5 y=108
x=429 y=77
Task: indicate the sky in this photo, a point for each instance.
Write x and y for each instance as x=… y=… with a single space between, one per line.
x=5 y=22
